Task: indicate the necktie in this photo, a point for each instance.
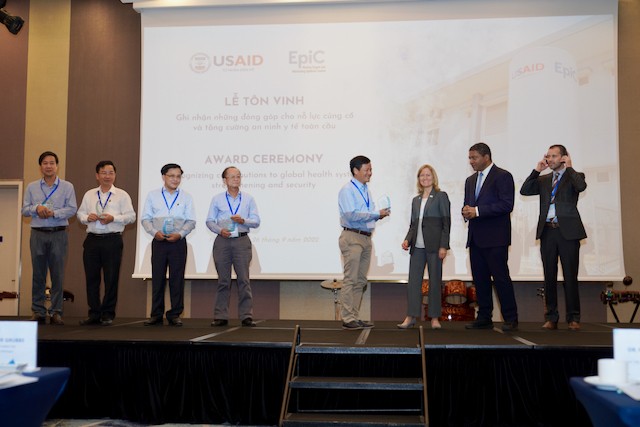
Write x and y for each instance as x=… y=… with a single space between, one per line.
x=478 y=184
x=554 y=182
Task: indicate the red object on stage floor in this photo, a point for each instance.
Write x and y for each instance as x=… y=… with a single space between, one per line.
x=455 y=292
x=458 y=301
x=472 y=297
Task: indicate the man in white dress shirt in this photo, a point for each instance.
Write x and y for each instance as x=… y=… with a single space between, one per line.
x=105 y=210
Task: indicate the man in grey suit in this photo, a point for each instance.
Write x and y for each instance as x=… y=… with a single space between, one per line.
x=560 y=230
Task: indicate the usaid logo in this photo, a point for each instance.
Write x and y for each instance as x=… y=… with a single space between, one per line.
x=200 y=63
x=237 y=62
x=527 y=70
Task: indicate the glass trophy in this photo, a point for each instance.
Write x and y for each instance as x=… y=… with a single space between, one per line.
x=100 y=213
x=384 y=202
x=168 y=226
x=230 y=226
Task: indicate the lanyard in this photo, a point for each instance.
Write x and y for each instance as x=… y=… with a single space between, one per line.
x=229 y=203
x=55 y=187
x=366 y=199
x=105 y=202
x=172 y=203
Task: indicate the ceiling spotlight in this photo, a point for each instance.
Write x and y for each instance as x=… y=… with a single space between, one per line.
x=13 y=23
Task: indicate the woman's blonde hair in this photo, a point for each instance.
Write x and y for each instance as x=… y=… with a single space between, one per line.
x=433 y=174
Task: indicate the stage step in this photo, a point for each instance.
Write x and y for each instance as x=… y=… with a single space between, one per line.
x=306 y=348
x=357 y=383
x=338 y=419
x=354 y=397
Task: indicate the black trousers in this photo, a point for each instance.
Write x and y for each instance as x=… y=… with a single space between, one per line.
x=102 y=255
x=172 y=255
x=552 y=247
x=489 y=267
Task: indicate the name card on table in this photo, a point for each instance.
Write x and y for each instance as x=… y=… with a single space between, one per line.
x=626 y=346
x=18 y=345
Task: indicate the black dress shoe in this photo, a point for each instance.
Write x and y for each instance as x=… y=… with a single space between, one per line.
x=354 y=325
x=248 y=322
x=153 y=321
x=176 y=321
x=90 y=321
x=106 y=322
x=480 y=324
x=220 y=322
x=510 y=326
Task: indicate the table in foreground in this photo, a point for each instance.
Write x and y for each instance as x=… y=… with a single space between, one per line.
x=28 y=404
x=606 y=408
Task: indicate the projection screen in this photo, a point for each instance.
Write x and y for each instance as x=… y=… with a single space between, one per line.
x=290 y=93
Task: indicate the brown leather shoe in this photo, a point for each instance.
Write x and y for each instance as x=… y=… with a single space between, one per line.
x=42 y=320
x=56 y=319
x=550 y=326
x=574 y=326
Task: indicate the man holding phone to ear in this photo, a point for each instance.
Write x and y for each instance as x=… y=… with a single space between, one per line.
x=560 y=230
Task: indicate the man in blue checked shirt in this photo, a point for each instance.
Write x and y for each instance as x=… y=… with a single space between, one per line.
x=168 y=215
x=50 y=202
x=358 y=216
x=231 y=215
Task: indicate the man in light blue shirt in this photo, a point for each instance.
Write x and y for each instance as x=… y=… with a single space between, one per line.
x=231 y=215
x=169 y=216
x=358 y=216
x=50 y=202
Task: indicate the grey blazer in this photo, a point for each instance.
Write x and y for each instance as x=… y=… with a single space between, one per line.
x=436 y=222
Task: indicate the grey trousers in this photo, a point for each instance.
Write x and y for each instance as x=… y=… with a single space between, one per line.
x=48 y=252
x=236 y=253
x=420 y=258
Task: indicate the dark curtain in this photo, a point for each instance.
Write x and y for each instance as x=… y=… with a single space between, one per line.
x=168 y=382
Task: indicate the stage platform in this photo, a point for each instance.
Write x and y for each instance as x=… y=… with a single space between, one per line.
x=236 y=375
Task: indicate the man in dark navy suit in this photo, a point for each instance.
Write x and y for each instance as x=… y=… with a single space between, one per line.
x=488 y=202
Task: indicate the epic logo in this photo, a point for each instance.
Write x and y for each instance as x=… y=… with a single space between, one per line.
x=567 y=71
x=310 y=58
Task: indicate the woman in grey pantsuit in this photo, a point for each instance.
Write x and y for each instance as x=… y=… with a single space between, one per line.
x=427 y=241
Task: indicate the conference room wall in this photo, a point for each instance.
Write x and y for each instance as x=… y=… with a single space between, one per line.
x=99 y=43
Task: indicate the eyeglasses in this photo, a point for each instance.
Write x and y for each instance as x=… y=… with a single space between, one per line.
x=106 y=173
x=233 y=177
x=174 y=176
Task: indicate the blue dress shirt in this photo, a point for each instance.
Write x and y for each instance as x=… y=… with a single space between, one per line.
x=60 y=196
x=354 y=212
x=222 y=209
x=160 y=205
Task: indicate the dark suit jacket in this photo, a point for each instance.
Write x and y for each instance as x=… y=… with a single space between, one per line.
x=436 y=222
x=495 y=203
x=569 y=188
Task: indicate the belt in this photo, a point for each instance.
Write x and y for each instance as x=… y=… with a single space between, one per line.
x=50 y=229
x=102 y=235
x=354 y=230
x=244 y=233
x=552 y=225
